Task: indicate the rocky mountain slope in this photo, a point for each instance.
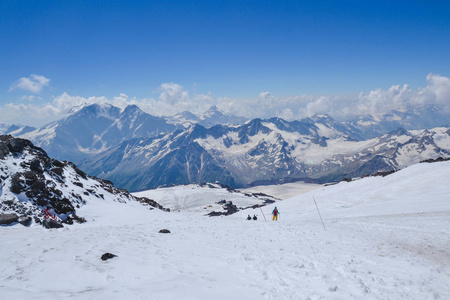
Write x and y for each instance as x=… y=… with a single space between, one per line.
x=35 y=185
x=264 y=151
x=91 y=129
x=138 y=151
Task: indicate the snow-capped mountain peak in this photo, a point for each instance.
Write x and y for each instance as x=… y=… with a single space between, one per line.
x=213 y=116
x=265 y=151
x=94 y=128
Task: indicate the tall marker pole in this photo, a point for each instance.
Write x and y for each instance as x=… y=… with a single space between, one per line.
x=263 y=213
x=319 y=213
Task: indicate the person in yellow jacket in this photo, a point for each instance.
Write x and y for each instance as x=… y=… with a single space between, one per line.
x=275 y=214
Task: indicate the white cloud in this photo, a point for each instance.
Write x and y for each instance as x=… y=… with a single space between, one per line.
x=32 y=115
x=30 y=98
x=437 y=91
x=287 y=114
x=319 y=105
x=265 y=95
x=34 y=83
x=377 y=101
x=173 y=93
x=174 y=98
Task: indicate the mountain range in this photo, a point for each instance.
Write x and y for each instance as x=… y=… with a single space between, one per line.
x=213 y=116
x=137 y=151
x=419 y=117
x=263 y=152
x=91 y=129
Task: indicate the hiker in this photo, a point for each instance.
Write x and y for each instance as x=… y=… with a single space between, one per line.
x=249 y=218
x=254 y=217
x=275 y=214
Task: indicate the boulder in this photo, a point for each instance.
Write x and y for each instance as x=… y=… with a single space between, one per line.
x=6 y=219
x=35 y=165
x=216 y=214
x=16 y=145
x=17 y=184
x=108 y=255
x=4 y=150
x=230 y=208
x=57 y=170
x=164 y=231
x=50 y=223
x=25 y=221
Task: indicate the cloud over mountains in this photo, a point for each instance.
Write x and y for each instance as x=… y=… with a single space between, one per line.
x=34 y=83
x=174 y=98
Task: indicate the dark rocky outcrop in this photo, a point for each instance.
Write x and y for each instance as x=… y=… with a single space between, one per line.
x=152 y=203
x=7 y=219
x=25 y=221
x=9 y=144
x=107 y=256
x=439 y=159
x=229 y=208
x=54 y=188
x=74 y=218
x=216 y=214
x=50 y=223
x=36 y=188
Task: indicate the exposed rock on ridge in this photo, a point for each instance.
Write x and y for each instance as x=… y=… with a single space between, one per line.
x=32 y=184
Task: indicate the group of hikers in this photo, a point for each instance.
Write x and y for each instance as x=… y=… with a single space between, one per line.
x=275 y=214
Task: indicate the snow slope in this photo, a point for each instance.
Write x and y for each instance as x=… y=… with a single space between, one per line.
x=385 y=238
x=195 y=198
x=285 y=190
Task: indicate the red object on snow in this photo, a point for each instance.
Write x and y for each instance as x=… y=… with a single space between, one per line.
x=49 y=215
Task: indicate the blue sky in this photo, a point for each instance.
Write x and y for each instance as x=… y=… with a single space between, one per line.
x=220 y=49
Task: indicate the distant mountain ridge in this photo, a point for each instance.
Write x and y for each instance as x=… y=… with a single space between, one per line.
x=213 y=116
x=138 y=151
x=424 y=117
x=93 y=129
x=263 y=152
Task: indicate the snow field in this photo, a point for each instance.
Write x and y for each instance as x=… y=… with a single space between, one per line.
x=284 y=191
x=385 y=238
x=222 y=258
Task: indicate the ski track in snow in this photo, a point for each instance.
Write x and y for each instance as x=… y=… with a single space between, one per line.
x=372 y=248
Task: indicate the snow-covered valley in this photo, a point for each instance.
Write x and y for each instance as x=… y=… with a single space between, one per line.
x=385 y=238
